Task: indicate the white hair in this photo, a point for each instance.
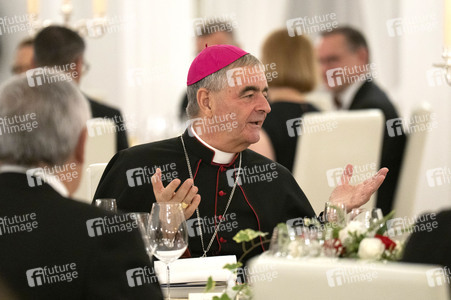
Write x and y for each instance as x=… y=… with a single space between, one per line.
x=60 y=113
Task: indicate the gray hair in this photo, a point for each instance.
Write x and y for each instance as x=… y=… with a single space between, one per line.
x=215 y=82
x=60 y=113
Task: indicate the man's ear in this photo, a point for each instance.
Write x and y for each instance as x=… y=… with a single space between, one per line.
x=362 y=54
x=78 y=68
x=204 y=101
x=80 y=148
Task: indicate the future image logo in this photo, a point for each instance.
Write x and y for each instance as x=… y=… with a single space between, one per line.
x=349 y=75
x=414 y=124
x=207 y=26
x=438 y=176
x=438 y=276
x=411 y=24
x=344 y=275
x=141 y=276
x=48 y=75
x=249 y=175
x=143 y=175
x=308 y=25
x=111 y=224
x=304 y=126
x=51 y=274
x=207 y=225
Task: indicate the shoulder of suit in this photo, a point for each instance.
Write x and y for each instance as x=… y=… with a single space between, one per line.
x=105 y=109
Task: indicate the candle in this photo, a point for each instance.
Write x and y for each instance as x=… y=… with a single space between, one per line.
x=33 y=7
x=447 y=22
x=99 y=7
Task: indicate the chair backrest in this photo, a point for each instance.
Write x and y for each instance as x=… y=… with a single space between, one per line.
x=100 y=148
x=328 y=141
x=407 y=189
x=94 y=172
x=343 y=279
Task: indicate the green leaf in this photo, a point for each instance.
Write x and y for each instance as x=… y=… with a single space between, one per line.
x=247 y=235
x=225 y=297
x=233 y=267
x=210 y=285
x=383 y=222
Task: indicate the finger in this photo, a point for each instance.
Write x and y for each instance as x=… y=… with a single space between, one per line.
x=189 y=211
x=169 y=192
x=156 y=182
x=190 y=195
x=183 y=191
x=347 y=174
x=372 y=184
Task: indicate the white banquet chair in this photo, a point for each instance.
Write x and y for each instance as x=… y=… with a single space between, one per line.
x=100 y=148
x=94 y=173
x=407 y=190
x=344 y=279
x=328 y=141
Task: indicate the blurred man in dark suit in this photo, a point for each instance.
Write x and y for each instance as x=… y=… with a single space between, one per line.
x=344 y=59
x=60 y=46
x=52 y=247
x=430 y=242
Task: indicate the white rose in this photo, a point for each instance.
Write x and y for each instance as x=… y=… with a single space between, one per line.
x=371 y=248
x=353 y=226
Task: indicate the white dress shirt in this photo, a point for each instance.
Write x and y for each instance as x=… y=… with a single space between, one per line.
x=348 y=94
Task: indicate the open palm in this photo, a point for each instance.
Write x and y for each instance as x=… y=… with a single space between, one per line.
x=354 y=196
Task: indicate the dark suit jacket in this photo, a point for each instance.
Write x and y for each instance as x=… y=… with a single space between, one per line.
x=371 y=96
x=430 y=241
x=60 y=237
x=99 y=110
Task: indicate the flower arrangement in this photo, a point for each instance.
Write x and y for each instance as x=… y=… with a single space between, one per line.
x=352 y=240
x=355 y=239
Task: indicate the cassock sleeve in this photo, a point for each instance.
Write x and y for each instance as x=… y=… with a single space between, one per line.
x=116 y=183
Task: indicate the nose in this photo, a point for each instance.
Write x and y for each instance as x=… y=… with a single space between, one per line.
x=263 y=105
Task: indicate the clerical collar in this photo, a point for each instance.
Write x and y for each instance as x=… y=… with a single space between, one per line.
x=348 y=94
x=50 y=179
x=219 y=157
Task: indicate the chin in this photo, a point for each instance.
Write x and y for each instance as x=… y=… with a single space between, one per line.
x=253 y=138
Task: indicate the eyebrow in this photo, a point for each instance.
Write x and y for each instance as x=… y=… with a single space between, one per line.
x=252 y=88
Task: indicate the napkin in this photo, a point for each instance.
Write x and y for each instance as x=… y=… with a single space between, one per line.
x=192 y=270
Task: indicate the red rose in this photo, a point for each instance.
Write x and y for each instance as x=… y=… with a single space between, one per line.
x=336 y=245
x=389 y=244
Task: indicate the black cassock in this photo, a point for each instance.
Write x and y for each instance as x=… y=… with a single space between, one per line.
x=266 y=195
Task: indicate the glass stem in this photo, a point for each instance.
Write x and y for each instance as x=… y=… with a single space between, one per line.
x=168 y=289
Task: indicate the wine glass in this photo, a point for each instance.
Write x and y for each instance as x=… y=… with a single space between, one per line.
x=142 y=219
x=168 y=234
x=368 y=217
x=335 y=214
x=108 y=204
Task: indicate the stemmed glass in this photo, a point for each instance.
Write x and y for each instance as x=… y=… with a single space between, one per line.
x=335 y=214
x=368 y=217
x=107 y=204
x=168 y=234
x=142 y=219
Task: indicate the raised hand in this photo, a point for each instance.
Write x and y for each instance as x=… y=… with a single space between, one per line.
x=354 y=196
x=186 y=194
